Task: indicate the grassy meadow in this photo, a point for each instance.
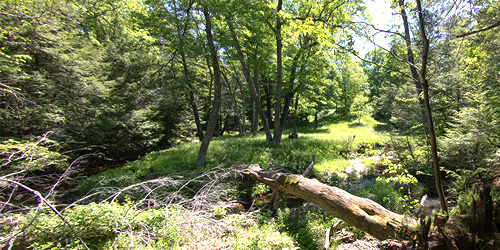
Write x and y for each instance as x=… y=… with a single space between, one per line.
x=334 y=143
x=162 y=201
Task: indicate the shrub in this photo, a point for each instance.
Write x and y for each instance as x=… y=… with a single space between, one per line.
x=307 y=225
x=102 y=226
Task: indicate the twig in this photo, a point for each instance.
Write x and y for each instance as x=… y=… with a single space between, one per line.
x=270 y=164
x=328 y=232
x=63 y=175
x=14 y=235
x=24 y=151
x=43 y=200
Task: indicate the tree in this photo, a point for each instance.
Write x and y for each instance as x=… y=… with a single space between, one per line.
x=202 y=153
x=250 y=81
x=279 y=72
x=425 y=88
x=352 y=82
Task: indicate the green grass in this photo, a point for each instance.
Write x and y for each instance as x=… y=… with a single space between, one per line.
x=124 y=226
x=123 y=223
x=333 y=143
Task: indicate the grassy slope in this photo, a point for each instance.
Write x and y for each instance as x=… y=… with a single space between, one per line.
x=332 y=143
x=107 y=225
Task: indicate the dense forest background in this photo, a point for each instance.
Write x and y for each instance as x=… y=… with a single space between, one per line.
x=97 y=83
x=123 y=78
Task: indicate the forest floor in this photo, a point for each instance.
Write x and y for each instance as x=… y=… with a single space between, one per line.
x=162 y=201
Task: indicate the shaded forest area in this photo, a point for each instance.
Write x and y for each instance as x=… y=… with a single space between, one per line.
x=87 y=86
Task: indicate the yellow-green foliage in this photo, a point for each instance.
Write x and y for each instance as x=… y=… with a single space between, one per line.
x=124 y=226
x=32 y=154
x=104 y=226
x=287 y=180
x=307 y=226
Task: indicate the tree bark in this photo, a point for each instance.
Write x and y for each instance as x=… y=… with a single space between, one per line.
x=292 y=90
x=192 y=99
x=411 y=58
x=425 y=87
x=187 y=76
x=255 y=113
x=248 y=78
x=269 y=106
x=409 y=50
x=361 y=213
x=202 y=153
x=279 y=74
x=235 y=104
x=295 y=115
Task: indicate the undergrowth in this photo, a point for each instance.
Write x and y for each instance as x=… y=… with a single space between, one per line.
x=125 y=226
x=162 y=201
x=333 y=144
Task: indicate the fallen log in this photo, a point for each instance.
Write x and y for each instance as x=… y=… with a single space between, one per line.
x=358 y=212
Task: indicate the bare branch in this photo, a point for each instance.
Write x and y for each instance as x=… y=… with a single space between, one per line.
x=66 y=173
x=5 y=89
x=497 y=24
x=380 y=30
x=43 y=200
x=24 y=152
x=328 y=233
x=308 y=170
x=374 y=63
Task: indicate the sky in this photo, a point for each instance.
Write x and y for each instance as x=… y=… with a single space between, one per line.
x=381 y=13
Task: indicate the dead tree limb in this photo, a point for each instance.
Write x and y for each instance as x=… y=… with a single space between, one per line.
x=361 y=213
x=328 y=233
x=308 y=169
x=43 y=200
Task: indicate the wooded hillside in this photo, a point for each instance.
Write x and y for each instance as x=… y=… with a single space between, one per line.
x=94 y=85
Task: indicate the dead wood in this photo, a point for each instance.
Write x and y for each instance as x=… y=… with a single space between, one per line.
x=361 y=213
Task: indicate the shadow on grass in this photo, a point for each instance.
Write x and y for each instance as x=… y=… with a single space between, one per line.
x=383 y=127
x=307 y=130
x=356 y=125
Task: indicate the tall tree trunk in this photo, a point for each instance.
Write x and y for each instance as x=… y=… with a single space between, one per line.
x=192 y=101
x=244 y=102
x=244 y=120
x=411 y=59
x=296 y=114
x=248 y=78
x=255 y=113
x=361 y=213
x=279 y=74
x=187 y=77
x=202 y=154
x=286 y=110
x=425 y=88
x=291 y=90
x=293 y=75
x=207 y=61
x=316 y=119
x=269 y=106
